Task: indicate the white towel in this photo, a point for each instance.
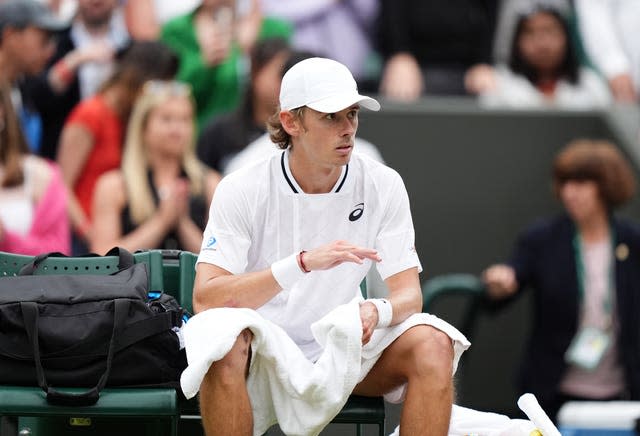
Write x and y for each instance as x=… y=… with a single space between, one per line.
x=284 y=386
x=469 y=422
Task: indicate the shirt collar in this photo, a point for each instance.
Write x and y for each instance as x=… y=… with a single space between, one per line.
x=293 y=184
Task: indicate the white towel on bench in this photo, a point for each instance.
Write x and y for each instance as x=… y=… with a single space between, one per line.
x=284 y=386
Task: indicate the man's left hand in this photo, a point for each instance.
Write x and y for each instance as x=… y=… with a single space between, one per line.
x=369 y=318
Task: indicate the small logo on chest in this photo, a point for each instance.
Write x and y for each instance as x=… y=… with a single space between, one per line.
x=357 y=212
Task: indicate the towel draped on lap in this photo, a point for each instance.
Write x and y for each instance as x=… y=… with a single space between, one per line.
x=283 y=385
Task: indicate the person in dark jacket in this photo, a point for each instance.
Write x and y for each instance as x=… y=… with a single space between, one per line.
x=584 y=269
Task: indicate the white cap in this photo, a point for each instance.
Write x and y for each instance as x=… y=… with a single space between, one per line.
x=323 y=85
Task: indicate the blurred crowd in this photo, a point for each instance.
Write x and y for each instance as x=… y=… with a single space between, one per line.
x=80 y=128
x=119 y=117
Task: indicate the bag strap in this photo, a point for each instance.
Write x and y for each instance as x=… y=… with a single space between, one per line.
x=159 y=323
x=91 y=396
x=125 y=260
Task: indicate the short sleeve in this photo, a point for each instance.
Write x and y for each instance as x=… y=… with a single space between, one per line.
x=227 y=237
x=88 y=115
x=395 y=241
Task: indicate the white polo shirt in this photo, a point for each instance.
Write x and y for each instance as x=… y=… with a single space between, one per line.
x=260 y=215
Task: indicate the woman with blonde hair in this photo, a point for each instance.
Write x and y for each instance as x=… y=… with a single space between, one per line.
x=33 y=196
x=584 y=269
x=159 y=198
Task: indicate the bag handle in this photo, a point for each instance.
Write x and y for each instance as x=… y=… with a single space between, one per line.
x=55 y=397
x=125 y=260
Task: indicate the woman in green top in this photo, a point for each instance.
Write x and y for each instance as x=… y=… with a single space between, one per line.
x=212 y=43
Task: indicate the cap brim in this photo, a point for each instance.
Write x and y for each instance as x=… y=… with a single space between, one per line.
x=336 y=103
x=51 y=23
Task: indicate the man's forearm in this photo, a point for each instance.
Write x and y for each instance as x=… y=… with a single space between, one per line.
x=405 y=294
x=250 y=290
x=404 y=305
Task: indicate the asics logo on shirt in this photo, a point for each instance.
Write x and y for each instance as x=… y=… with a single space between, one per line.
x=357 y=212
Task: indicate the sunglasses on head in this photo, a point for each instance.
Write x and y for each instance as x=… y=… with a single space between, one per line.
x=170 y=87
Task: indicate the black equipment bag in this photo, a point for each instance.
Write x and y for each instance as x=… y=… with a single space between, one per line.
x=88 y=331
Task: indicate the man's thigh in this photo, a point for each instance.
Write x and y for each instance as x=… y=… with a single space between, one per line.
x=394 y=367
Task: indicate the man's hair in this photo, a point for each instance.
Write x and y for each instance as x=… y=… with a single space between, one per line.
x=600 y=161
x=278 y=135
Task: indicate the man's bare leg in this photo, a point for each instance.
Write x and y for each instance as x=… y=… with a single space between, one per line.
x=224 y=400
x=422 y=357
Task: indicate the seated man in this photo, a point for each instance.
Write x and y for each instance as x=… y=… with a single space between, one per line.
x=293 y=235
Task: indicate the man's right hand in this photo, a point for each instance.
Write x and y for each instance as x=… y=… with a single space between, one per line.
x=336 y=253
x=369 y=319
x=500 y=280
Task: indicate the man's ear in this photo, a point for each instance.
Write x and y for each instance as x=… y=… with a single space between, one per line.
x=290 y=123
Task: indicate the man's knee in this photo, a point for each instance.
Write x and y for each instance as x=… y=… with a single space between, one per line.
x=234 y=365
x=432 y=355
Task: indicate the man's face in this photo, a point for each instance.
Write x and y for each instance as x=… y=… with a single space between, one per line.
x=29 y=49
x=96 y=12
x=327 y=139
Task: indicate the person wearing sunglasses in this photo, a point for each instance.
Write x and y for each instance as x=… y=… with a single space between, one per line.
x=159 y=198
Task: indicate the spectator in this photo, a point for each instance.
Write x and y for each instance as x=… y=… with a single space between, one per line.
x=33 y=197
x=83 y=60
x=64 y=9
x=543 y=68
x=228 y=134
x=509 y=12
x=211 y=57
x=160 y=196
x=608 y=30
x=91 y=140
x=583 y=266
x=428 y=45
x=341 y=30
x=26 y=44
x=145 y=18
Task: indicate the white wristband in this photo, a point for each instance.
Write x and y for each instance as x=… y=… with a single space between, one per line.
x=385 y=311
x=287 y=271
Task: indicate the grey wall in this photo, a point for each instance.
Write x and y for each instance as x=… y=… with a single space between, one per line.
x=476 y=178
